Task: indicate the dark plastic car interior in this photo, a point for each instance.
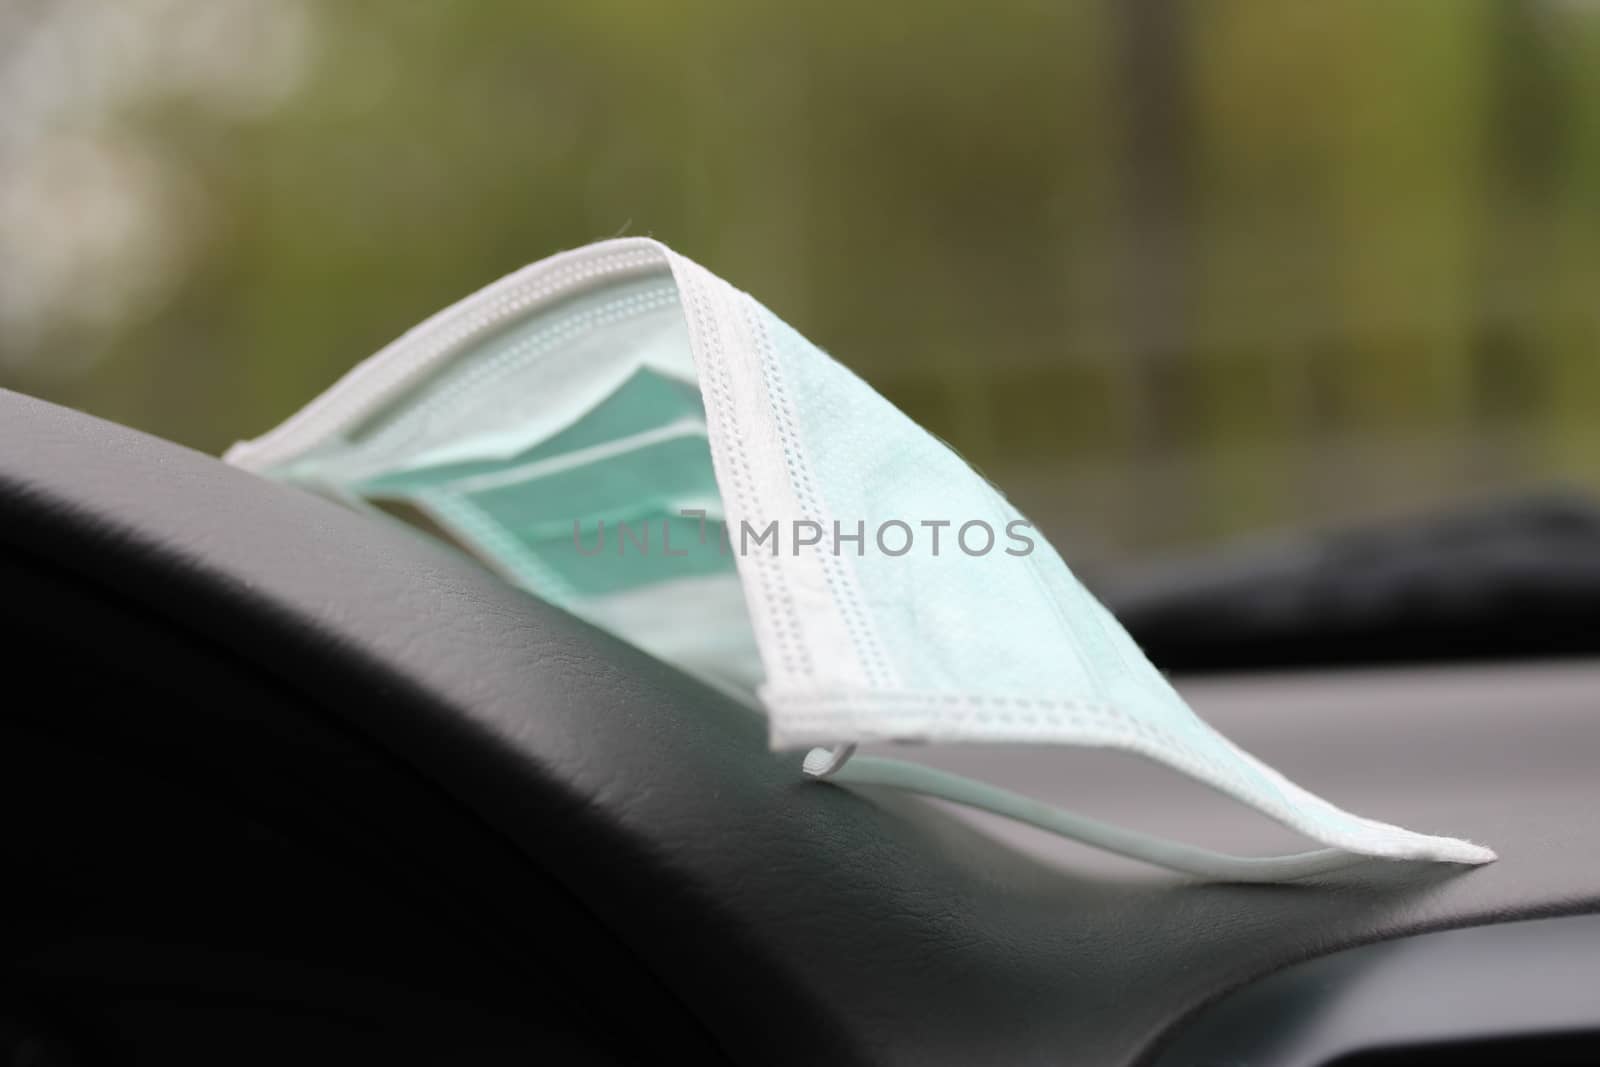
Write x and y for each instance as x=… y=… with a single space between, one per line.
x=285 y=783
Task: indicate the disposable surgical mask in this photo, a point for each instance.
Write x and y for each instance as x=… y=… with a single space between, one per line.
x=623 y=434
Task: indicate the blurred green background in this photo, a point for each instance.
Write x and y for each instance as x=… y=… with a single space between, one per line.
x=1169 y=273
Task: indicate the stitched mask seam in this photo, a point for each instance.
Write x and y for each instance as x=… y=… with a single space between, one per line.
x=526 y=350
x=791 y=649
x=842 y=588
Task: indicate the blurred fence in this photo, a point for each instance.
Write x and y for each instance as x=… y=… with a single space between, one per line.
x=1167 y=272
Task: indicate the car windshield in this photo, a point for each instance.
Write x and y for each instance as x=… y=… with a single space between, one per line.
x=1180 y=279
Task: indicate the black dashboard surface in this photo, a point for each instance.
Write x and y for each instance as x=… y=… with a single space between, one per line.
x=803 y=923
x=1525 y=993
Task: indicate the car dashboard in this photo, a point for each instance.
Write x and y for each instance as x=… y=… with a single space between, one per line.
x=283 y=780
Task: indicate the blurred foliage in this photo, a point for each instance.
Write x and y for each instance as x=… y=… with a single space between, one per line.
x=1167 y=272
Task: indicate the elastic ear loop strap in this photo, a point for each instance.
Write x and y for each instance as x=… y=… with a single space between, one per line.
x=835 y=765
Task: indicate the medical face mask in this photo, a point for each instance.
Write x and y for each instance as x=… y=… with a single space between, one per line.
x=629 y=437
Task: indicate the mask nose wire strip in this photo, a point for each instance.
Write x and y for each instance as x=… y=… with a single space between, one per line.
x=1215 y=866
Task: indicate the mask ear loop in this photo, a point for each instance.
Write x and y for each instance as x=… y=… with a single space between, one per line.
x=823 y=762
x=830 y=764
